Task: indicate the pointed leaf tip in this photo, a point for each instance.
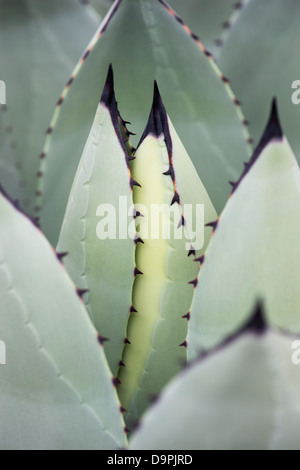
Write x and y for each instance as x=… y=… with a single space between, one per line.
x=157 y=104
x=158 y=121
x=273 y=130
x=108 y=96
x=158 y=115
x=156 y=91
x=274 y=125
x=257 y=323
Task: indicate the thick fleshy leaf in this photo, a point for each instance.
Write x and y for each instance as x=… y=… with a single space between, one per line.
x=95 y=228
x=244 y=396
x=255 y=251
x=165 y=269
x=203 y=109
x=56 y=388
x=255 y=48
x=40 y=42
x=207 y=19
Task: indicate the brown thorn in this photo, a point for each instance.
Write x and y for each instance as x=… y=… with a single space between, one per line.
x=134 y=183
x=226 y=24
x=192 y=252
x=238 y=5
x=138 y=240
x=182 y=222
x=102 y=339
x=176 y=199
x=187 y=316
x=170 y=172
x=225 y=79
x=137 y=272
x=200 y=260
x=214 y=224
x=116 y=381
x=61 y=256
x=86 y=54
x=70 y=81
x=194 y=283
x=82 y=292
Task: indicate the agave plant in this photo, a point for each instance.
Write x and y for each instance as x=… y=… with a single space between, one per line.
x=248 y=381
x=126 y=258
x=40 y=41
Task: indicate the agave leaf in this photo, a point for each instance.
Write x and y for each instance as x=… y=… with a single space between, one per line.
x=255 y=48
x=39 y=43
x=9 y=171
x=95 y=227
x=207 y=19
x=203 y=109
x=243 y=396
x=56 y=387
x=255 y=251
x=165 y=269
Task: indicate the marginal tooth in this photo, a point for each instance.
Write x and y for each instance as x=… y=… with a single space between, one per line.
x=82 y=292
x=192 y=252
x=134 y=183
x=187 y=316
x=137 y=272
x=61 y=256
x=194 y=283
x=102 y=339
x=138 y=240
x=170 y=172
x=132 y=309
x=200 y=260
x=214 y=224
x=116 y=381
x=176 y=199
